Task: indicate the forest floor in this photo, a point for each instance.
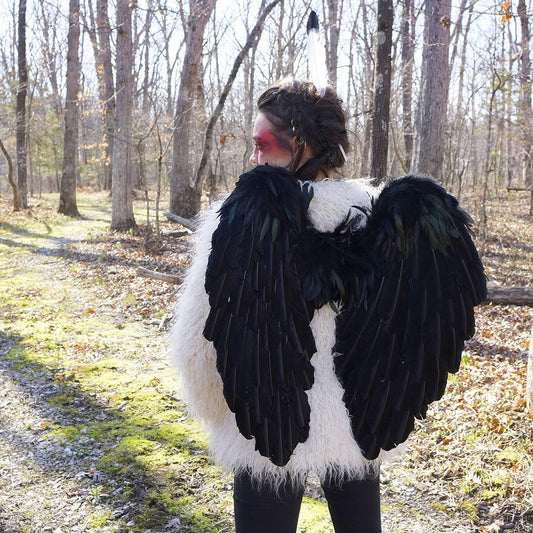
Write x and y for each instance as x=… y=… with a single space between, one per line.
x=94 y=436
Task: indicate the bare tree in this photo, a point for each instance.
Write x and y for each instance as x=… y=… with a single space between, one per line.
x=122 y=218
x=22 y=89
x=333 y=22
x=104 y=31
x=67 y=194
x=407 y=55
x=525 y=98
x=47 y=18
x=184 y=198
x=167 y=25
x=382 y=84
x=529 y=387
x=208 y=145
x=431 y=112
x=363 y=86
x=99 y=31
x=10 y=176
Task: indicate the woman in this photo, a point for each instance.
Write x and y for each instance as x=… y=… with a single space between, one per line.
x=267 y=361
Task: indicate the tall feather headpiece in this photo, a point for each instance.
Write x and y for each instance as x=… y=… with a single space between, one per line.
x=316 y=55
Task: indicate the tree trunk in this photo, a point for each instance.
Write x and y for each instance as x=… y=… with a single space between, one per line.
x=104 y=32
x=529 y=387
x=431 y=112
x=122 y=218
x=407 y=54
x=525 y=100
x=368 y=82
x=22 y=89
x=104 y=76
x=146 y=66
x=510 y=295
x=333 y=41
x=67 y=194
x=382 y=85
x=184 y=198
x=10 y=176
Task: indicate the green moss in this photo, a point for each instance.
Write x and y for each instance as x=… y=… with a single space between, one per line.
x=67 y=433
x=508 y=456
x=136 y=445
x=99 y=520
x=314 y=516
x=180 y=434
x=60 y=400
x=489 y=494
x=159 y=505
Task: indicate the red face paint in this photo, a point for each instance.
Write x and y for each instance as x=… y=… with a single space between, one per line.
x=267 y=147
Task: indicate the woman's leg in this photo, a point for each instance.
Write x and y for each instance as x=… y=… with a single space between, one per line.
x=259 y=509
x=354 y=505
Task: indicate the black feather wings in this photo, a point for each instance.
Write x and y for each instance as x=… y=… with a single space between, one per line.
x=259 y=320
x=407 y=282
x=402 y=328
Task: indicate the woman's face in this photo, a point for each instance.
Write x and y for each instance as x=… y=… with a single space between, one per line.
x=267 y=148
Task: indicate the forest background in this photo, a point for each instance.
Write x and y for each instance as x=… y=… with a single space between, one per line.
x=158 y=97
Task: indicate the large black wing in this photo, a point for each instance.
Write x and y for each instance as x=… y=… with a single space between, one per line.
x=402 y=328
x=259 y=321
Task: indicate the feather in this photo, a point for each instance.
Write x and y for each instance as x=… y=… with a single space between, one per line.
x=316 y=55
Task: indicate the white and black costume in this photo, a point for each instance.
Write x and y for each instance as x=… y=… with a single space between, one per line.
x=318 y=319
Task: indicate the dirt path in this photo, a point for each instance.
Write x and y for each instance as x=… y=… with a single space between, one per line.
x=92 y=435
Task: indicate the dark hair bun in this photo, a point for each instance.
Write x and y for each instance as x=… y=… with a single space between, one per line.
x=297 y=110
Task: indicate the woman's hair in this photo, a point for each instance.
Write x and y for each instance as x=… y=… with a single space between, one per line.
x=297 y=110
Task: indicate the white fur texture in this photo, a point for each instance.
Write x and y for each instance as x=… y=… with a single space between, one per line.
x=330 y=450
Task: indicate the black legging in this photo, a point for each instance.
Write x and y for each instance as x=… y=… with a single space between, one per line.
x=354 y=506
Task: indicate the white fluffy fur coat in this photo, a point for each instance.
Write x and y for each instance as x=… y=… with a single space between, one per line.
x=330 y=450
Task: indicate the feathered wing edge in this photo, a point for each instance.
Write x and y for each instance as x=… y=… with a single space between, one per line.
x=259 y=320
x=403 y=326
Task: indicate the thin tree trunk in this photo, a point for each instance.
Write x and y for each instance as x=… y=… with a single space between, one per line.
x=48 y=44
x=529 y=387
x=407 y=54
x=104 y=77
x=108 y=104
x=431 y=112
x=22 y=89
x=122 y=218
x=382 y=85
x=525 y=97
x=368 y=82
x=333 y=41
x=67 y=194
x=146 y=78
x=10 y=176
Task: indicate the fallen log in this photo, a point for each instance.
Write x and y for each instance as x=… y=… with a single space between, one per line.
x=497 y=295
x=185 y=222
x=500 y=295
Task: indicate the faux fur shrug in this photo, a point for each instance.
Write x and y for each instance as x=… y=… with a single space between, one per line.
x=330 y=450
